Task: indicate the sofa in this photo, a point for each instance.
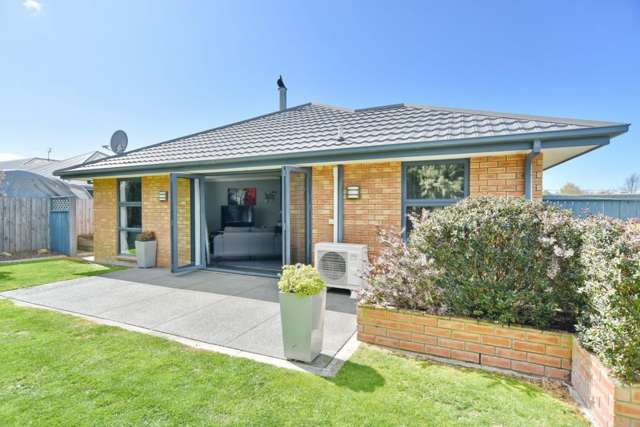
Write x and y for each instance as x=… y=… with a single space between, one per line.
x=247 y=242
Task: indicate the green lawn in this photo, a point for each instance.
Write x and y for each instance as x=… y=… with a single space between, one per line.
x=60 y=370
x=25 y=274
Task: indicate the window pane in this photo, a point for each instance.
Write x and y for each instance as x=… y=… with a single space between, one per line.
x=131 y=190
x=417 y=212
x=128 y=242
x=134 y=217
x=130 y=217
x=436 y=181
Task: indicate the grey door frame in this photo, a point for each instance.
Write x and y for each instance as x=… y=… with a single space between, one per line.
x=286 y=213
x=196 y=264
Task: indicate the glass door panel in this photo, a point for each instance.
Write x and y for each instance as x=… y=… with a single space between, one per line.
x=186 y=226
x=296 y=215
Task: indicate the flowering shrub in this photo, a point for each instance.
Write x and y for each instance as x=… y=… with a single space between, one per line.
x=402 y=277
x=505 y=259
x=300 y=279
x=610 y=327
x=502 y=259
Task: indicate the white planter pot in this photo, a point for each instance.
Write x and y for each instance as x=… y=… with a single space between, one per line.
x=302 y=325
x=146 y=253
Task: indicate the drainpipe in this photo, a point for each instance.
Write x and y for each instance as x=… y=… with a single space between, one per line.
x=338 y=204
x=528 y=178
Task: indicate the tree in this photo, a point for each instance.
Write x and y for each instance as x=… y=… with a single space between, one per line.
x=631 y=184
x=570 y=189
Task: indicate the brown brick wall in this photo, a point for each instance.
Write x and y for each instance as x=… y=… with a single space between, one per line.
x=523 y=350
x=322 y=201
x=105 y=219
x=379 y=205
x=503 y=175
x=610 y=402
x=156 y=215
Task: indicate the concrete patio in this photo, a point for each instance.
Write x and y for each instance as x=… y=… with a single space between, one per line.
x=233 y=311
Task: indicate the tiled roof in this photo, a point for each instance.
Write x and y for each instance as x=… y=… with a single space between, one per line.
x=316 y=127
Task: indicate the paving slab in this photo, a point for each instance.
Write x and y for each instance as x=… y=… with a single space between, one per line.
x=221 y=322
x=154 y=311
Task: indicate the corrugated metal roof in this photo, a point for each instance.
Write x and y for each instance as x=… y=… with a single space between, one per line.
x=47 y=169
x=316 y=127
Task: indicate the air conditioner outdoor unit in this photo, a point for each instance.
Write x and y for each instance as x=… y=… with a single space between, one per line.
x=341 y=264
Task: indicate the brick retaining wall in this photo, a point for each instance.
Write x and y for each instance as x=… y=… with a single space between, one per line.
x=610 y=402
x=522 y=350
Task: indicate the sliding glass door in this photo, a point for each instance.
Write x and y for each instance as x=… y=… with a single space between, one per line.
x=296 y=215
x=187 y=228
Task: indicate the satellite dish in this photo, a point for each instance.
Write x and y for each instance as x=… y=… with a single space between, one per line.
x=119 y=141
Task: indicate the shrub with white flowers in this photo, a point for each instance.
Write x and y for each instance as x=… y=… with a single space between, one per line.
x=503 y=259
x=610 y=327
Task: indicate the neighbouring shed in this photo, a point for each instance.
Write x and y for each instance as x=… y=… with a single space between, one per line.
x=26 y=214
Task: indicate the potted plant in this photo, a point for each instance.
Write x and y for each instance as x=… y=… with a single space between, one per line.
x=303 y=297
x=146 y=246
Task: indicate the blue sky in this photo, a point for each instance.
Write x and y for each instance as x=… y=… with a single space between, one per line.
x=71 y=72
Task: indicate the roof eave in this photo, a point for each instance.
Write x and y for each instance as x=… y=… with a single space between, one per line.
x=576 y=137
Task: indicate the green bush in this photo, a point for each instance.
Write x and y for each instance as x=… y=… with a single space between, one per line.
x=300 y=279
x=610 y=327
x=505 y=259
x=502 y=259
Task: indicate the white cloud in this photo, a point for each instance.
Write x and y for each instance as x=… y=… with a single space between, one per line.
x=33 y=5
x=9 y=156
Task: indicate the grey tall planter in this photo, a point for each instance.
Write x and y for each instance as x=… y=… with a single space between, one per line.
x=302 y=325
x=146 y=253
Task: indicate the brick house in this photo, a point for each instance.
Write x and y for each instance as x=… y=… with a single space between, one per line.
x=258 y=193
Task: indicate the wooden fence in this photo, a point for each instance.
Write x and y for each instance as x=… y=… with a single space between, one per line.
x=84 y=216
x=615 y=206
x=24 y=223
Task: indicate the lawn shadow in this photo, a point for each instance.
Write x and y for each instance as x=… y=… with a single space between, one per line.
x=358 y=377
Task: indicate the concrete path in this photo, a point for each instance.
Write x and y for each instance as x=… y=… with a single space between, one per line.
x=230 y=310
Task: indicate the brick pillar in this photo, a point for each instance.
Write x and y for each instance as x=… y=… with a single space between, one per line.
x=156 y=215
x=105 y=219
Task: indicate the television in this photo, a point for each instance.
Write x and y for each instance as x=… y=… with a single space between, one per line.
x=237 y=216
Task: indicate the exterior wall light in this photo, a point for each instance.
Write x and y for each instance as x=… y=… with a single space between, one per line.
x=353 y=192
x=163 y=196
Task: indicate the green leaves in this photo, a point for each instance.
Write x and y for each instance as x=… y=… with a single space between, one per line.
x=504 y=259
x=610 y=327
x=300 y=279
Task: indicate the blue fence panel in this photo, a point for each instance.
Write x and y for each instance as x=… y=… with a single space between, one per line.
x=59 y=225
x=59 y=232
x=622 y=207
